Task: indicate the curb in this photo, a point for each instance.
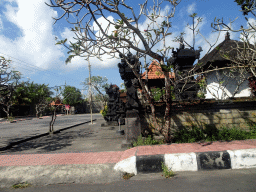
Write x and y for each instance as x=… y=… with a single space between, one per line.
x=2 y=120
x=229 y=159
x=41 y=135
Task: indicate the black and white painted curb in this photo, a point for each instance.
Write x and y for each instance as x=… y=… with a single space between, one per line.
x=229 y=159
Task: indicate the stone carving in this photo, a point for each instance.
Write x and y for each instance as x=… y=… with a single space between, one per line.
x=131 y=84
x=116 y=107
x=183 y=59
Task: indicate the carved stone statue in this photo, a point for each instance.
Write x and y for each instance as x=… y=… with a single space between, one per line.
x=116 y=109
x=131 y=84
x=183 y=59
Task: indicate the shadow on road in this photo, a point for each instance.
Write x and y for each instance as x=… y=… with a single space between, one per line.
x=50 y=143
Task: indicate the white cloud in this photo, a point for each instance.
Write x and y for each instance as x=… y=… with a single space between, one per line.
x=191 y=8
x=186 y=10
x=69 y=35
x=1 y=25
x=107 y=61
x=35 y=45
x=252 y=35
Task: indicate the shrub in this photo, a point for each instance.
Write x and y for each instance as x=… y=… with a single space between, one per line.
x=147 y=141
x=211 y=133
x=167 y=173
x=104 y=111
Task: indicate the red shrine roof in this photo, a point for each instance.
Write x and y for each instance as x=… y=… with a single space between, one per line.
x=155 y=71
x=57 y=102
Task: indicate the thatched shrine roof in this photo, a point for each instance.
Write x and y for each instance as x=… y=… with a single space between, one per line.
x=226 y=47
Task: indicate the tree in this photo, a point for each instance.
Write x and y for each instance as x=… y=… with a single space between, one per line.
x=33 y=94
x=125 y=35
x=8 y=82
x=99 y=84
x=66 y=96
x=246 y=5
x=44 y=99
x=72 y=95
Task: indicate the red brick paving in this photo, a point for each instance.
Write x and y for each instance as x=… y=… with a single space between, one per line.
x=114 y=157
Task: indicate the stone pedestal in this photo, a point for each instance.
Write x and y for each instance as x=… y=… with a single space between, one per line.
x=133 y=128
x=132 y=131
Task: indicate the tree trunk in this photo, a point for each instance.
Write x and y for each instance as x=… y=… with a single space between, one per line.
x=52 y=121
x=167 y=115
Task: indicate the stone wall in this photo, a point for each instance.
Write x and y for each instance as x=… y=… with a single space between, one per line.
x=225 y=117
x=238 y=114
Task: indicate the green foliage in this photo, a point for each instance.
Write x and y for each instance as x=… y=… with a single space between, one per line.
x=211 y=133
x=167 y=173
x=21 y=185
x=147 y=141
x=98 y=87
x=246 y=5
x=31 y=93
x=232 y=134
x=72 y=96
x=217 y=48
x=104 y=111
x=127 y=176
x=201 y=95
x=10 y=118
x=157 y=93
x=202 y=84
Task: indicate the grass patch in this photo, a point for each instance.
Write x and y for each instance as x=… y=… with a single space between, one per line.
x=146 y=141
x=211 y=133
x=127 y=176
x=21 y=185
x=167 y=173
x=195 y=134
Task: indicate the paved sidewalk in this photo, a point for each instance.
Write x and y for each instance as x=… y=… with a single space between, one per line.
x=109 y=166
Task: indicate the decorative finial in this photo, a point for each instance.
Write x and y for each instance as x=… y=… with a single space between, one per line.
x=181 y=43
x=227 y=36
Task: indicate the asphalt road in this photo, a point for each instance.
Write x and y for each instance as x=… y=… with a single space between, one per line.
x=12 y=132
x=217 y=180
x=82 y=138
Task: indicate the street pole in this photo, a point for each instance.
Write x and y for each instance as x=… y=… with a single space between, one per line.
x=90 y=91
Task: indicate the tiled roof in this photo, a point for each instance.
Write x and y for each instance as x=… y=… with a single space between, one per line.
x=57 y=102
x=155 y=71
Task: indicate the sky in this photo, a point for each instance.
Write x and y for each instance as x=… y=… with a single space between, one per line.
x=27 y=37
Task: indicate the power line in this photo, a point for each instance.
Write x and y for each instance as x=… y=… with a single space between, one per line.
x=35 y=67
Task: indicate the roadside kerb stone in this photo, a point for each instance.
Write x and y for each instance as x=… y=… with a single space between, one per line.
x=59 y=174
x=241 y=159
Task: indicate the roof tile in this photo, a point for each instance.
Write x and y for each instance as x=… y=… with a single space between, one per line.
x=155 y=71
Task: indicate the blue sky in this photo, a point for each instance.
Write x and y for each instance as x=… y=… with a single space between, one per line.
x=27 y=38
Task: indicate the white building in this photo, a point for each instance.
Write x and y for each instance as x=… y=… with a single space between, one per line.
x=226 y=83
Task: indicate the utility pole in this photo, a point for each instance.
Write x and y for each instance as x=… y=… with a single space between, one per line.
x=90 y=88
